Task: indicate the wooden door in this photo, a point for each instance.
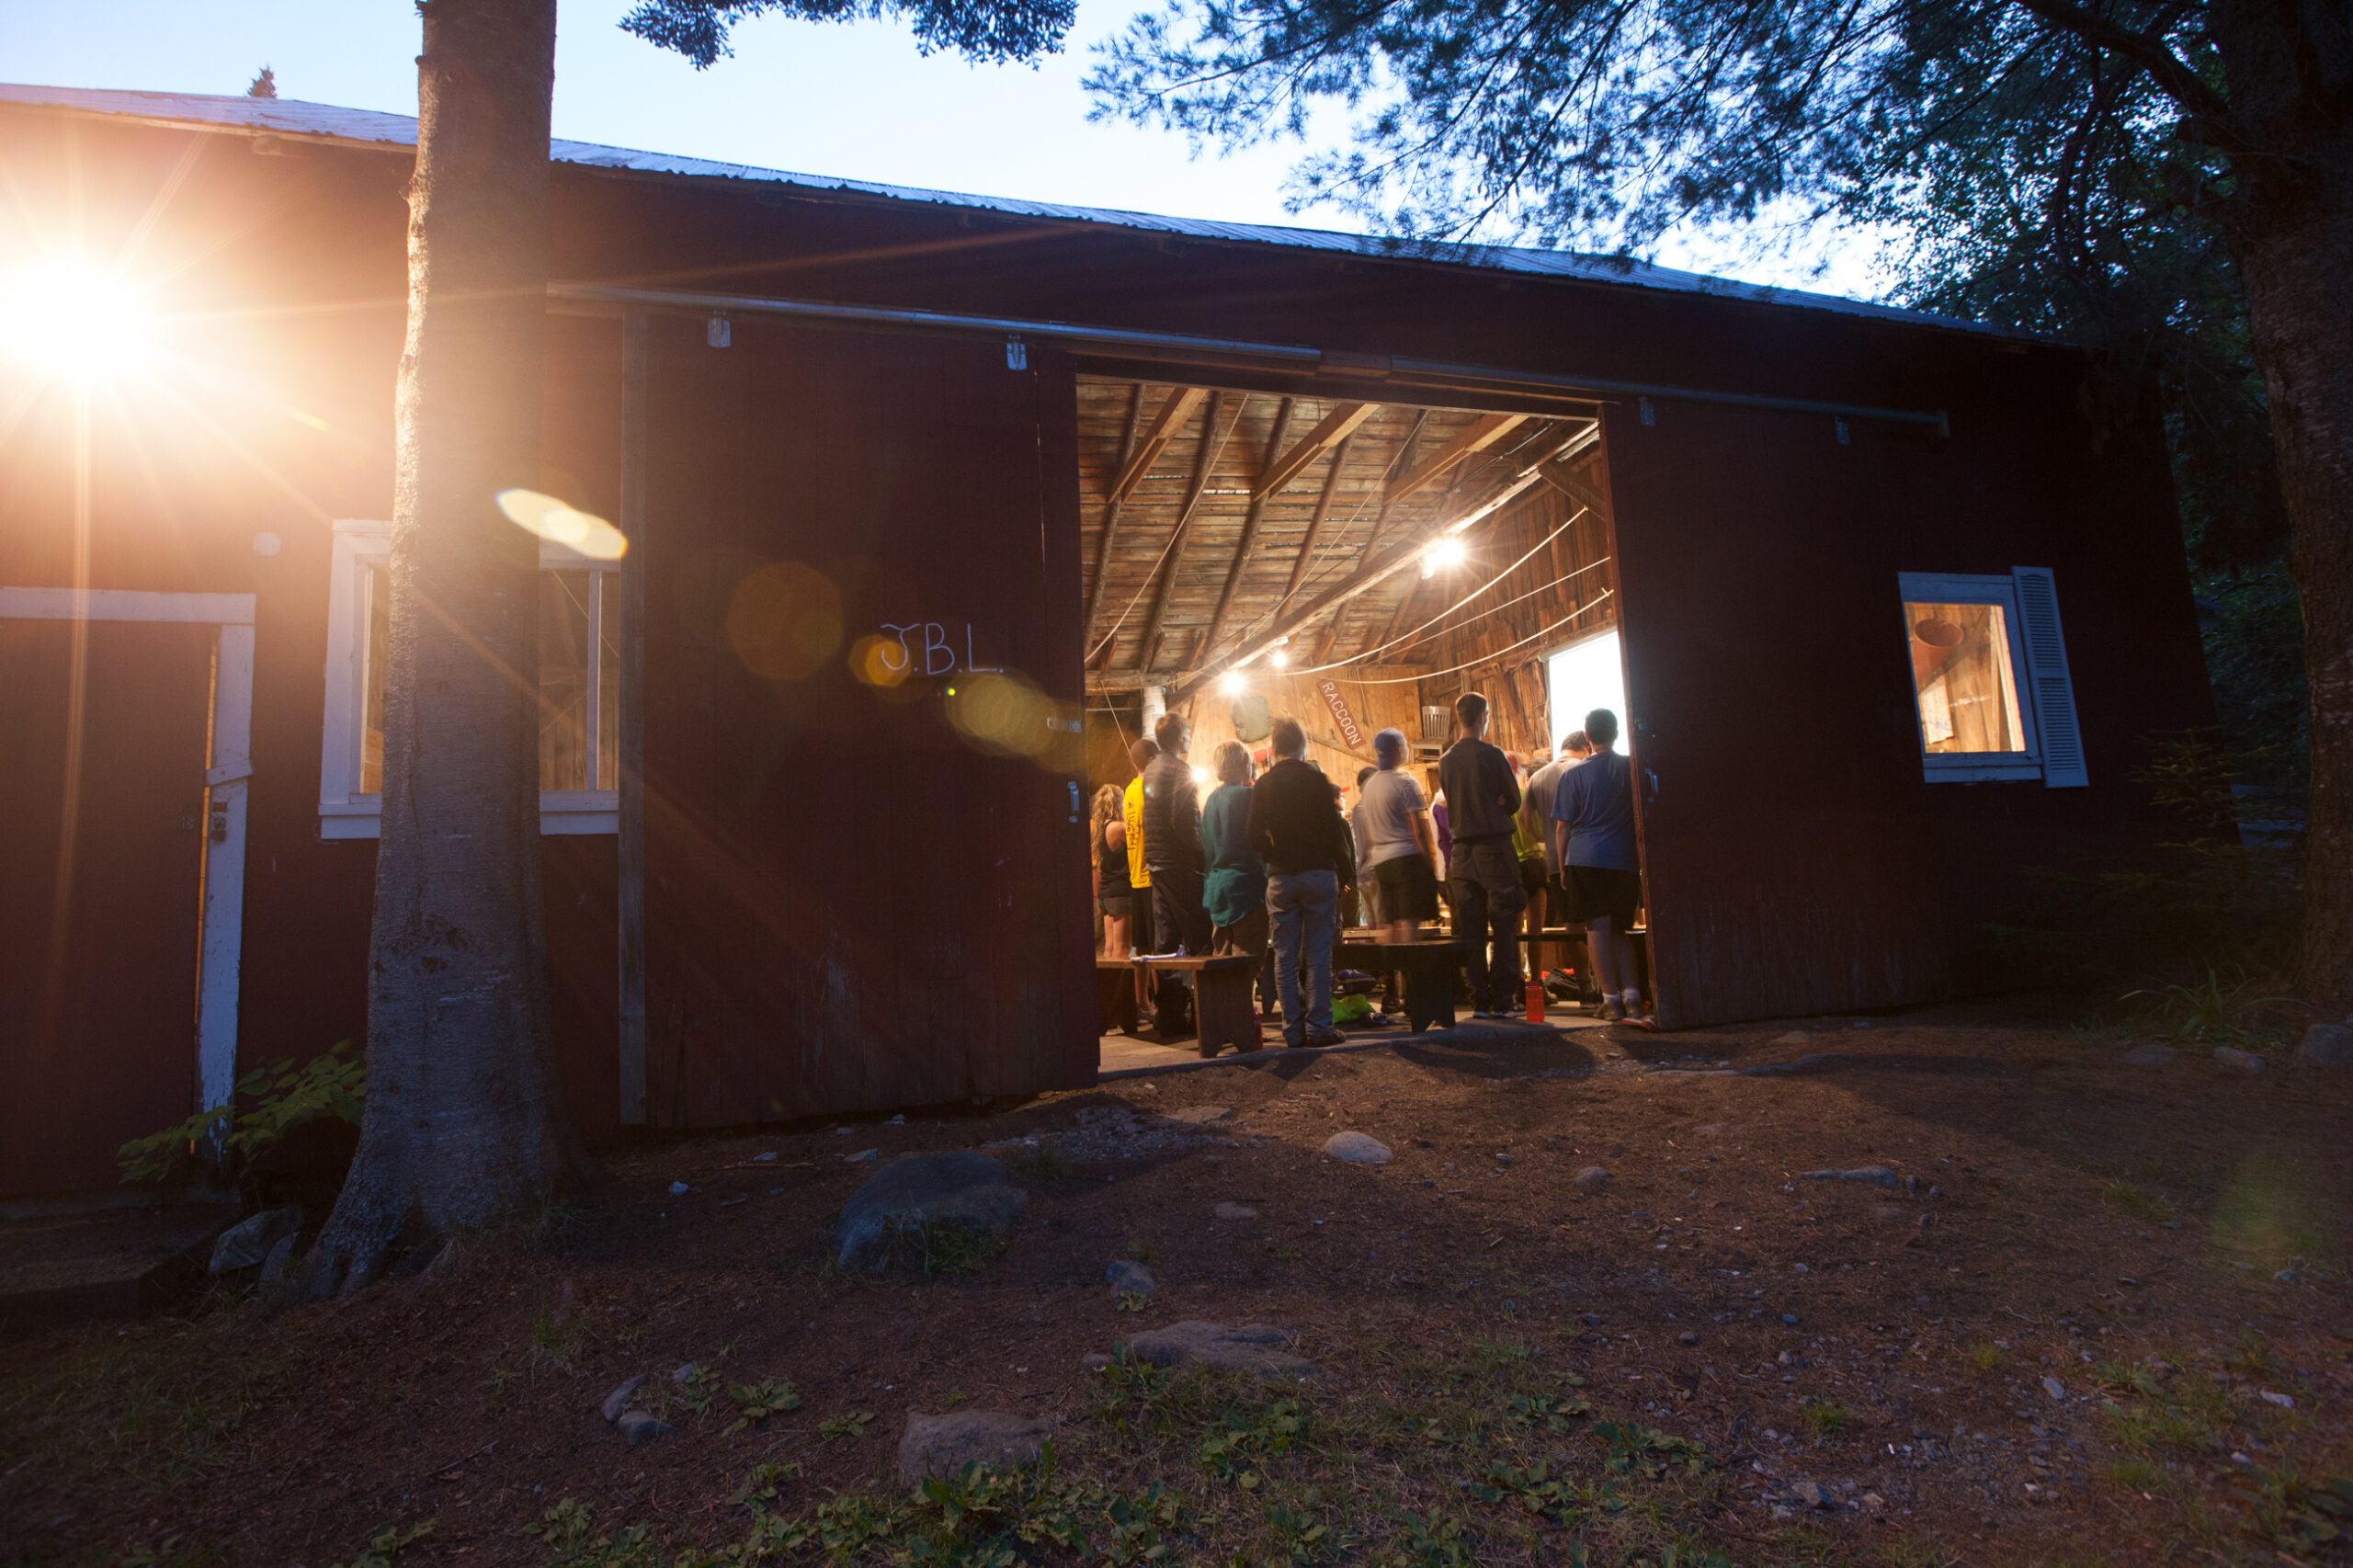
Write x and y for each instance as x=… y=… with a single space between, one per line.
x=851 y=901
x=1789 y=866
x=97 y=930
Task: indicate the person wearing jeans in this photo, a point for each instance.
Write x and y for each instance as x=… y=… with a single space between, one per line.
x=1297 y=829
x=1482 y=802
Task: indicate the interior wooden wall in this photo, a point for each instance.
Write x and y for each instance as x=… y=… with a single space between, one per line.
x=1499 y=639
x=1377 y=697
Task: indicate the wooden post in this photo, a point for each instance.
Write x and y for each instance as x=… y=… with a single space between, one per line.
x=631 y=875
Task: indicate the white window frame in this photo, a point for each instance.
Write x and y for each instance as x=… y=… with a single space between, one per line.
x=2042 y=687
x=344 y=812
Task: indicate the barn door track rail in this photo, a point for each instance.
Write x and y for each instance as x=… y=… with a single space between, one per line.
x=605 y=299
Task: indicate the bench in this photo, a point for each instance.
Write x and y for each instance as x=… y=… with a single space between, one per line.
x=1430 y=969
x=1222 y=1012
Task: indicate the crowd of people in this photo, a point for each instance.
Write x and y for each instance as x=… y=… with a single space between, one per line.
x=1265 y=865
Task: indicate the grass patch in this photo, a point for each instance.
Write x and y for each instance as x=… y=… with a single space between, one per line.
x=2135 y=1475
x=1826 y=1418
x=153 y=1410
x=1987 y=1355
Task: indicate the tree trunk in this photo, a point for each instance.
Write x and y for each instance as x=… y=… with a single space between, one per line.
x=2292 y=238
x=465 y=1120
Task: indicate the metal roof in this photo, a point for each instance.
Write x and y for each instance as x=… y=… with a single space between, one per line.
x=293 y=118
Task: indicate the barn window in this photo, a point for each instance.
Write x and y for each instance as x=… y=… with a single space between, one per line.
x=579 y=687
x=1990 y=682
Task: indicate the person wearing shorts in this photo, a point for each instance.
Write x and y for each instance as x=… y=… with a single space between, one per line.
x=1593 y=823
x=1400 y=847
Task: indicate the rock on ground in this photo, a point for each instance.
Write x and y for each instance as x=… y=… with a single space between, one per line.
x=2233 y=1061
x=617 y=1402
x=1593 y=1179
x=1356 y=1148
x=1235 y=1211
x=1254 y=1347
x=942 y=1445
x=916 y=1191
x=642 y=1427
x=1125 y=1275
x=246 y=1243
x=281 y=1258
x=1198 y=1114
x=2326 y=1045
x=1874 y=1175
x=2149 y=1056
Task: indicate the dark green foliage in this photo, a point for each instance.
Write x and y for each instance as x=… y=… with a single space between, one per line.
x=277 y=1098
x=983 y=30
x=2200 y=904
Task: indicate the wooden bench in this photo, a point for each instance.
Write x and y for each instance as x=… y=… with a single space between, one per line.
x=1222 y=1013
x=1430 y=969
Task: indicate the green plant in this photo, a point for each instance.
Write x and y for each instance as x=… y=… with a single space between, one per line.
x=1987 y=1355
x=1139 y=1249
x=1536 y=1490
x=1635 y=1450
x=762 y=1486
x=1134 y=1301
x=567 y=1534
x=279 y=1098
x=2208 y=1012
x=2135 y=1475
x=1245 y=1433
x=2297 y=1516
x=1435 y=1539
x=1045 y=1162
x=387 y=1544
x=1826 y=1418
x=1294 y=1537
x=849 y=1423
x=1552 y=1413
x=694 y=1392
x=935 y=1247
x=755 y=1403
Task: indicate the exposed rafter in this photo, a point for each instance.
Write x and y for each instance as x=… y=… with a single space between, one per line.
x=1315 y=521
x=1165 y=426
x=1336 y=427
x=1112 y=510
x=1260 y=495
x=1204 y=459
x=1476 y=437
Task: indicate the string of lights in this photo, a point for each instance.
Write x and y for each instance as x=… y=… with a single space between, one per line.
x=1490 y=657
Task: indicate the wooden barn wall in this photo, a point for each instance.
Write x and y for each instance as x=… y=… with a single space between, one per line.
x=1561 y=595
x=1834 y=876
x=1726 y=517
x=852 y=902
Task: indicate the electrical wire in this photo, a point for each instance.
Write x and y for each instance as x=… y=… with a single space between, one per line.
x=1369 y=653
x=1489 y=657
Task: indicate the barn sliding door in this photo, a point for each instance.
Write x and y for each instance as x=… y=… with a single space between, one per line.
x=1789 y=866
x=865 y=856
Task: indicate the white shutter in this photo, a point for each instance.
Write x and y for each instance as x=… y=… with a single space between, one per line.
x=2053 y=687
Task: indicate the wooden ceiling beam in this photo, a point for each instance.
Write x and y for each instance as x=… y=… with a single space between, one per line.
x=1335 y=427
x=1378 y=567
x=1259 y=495
x=1315 y=520
x=1476 y=437
x=1204 y=460
x=1165 y=426
x=1111 y=514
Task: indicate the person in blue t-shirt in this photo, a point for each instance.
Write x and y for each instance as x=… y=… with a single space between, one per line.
x=1593 y=837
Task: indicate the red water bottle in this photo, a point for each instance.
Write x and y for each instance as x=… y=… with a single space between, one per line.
x=1535 y=1001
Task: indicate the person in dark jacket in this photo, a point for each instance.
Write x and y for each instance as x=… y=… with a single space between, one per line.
x=1296 y=828
x=1483 y=803
x=1172 y=842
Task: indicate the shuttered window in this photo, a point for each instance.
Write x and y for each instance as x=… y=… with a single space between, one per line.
x=1990 y=690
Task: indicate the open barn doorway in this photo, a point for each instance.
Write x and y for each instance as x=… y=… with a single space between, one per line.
x=1354 y=565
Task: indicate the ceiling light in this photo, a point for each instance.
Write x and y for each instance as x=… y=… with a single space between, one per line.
x=1447 y=552
x=1278 y=658
x=1233 y=684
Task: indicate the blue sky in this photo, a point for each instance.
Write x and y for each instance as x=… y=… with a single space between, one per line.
x=852 y=100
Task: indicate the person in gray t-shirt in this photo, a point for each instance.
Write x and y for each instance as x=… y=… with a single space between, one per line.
x=1593 y=834
x=1400 y=849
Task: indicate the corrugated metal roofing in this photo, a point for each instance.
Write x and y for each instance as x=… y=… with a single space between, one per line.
x=288 y=117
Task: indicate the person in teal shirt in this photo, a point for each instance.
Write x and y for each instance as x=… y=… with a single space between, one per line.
x=1235 y=885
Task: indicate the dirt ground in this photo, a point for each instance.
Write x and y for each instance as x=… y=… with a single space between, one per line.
x=2102 y=1316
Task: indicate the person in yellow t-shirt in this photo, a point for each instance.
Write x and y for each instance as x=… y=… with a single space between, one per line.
x=1131 y=819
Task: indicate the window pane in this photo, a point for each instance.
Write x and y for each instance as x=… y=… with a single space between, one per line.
x=373 y=656
x=564 y=680
x=608 y=681
x=1961 y=672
